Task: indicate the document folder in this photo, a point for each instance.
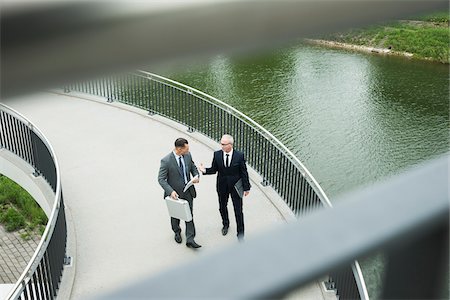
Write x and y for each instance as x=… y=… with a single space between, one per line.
x=239 y=188
x=179 y=209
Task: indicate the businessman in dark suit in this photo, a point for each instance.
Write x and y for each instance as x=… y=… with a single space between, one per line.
x=175 y=171
x=229 y=164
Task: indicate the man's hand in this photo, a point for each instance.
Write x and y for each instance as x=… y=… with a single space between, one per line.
x=174 y=195
x=196 y=180
x=246 y=193
x=202 y=168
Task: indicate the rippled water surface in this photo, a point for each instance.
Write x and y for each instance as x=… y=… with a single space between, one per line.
x=352 y=119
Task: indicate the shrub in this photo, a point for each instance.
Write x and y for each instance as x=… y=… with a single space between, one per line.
x=18 y=209
x=12 y=219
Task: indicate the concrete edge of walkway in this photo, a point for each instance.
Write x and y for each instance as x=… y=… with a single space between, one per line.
x=18 y=170
x=68 y=276
x=5 y=289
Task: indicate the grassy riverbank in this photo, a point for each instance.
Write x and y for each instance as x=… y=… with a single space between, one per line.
x=18 y=210
x=426 y=37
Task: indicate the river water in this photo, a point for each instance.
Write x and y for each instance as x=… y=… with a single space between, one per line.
x=353 y=119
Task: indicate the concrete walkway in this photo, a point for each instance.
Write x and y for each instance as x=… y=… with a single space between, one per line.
x=109 y=158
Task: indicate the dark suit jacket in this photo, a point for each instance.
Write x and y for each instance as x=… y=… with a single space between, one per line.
x=170 y=176
x=227 y=177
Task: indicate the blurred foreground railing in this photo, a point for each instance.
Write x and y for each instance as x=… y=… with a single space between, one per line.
x=406 y=217
x=42 y=276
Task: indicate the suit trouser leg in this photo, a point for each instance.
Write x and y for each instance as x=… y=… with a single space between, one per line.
x=238 y=212
x=223 y=202
x=190 y=226
x=175 y=225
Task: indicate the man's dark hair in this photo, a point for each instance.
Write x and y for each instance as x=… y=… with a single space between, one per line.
x=180 y=142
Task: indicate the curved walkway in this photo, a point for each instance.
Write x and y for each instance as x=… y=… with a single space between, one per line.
x=109 y=157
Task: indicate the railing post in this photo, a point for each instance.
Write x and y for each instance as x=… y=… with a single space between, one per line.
x=329 y=284
x=67 y=260
x=35 y=151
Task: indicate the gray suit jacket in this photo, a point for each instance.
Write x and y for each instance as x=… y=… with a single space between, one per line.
x=171 y=178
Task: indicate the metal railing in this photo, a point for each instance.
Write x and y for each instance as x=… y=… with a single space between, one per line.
x=200 y=112
x=42 y=275
x=348 y=282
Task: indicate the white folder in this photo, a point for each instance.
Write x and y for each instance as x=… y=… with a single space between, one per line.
x=179 y=209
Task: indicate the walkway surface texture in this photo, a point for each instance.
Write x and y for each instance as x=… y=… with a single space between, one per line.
x=109 y=156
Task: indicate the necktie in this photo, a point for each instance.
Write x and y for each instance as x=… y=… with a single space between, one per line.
x=228 y=161
x=182 y=169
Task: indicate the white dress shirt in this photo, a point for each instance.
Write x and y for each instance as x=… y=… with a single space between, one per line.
x=225 y=157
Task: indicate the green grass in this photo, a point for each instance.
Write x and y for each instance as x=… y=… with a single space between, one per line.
x=426 y=37
x=422 y=42
x=18 y=210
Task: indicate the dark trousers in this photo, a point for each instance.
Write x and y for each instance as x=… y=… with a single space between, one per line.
x=190 y=227
x=237 y=204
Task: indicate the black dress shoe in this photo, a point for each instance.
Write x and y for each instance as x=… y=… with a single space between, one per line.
x=224 y=230
x=193 y=245
x=178 y=238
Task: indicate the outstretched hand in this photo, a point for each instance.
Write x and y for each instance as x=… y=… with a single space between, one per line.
x=202 y=168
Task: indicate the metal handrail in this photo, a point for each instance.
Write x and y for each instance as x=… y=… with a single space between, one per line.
x=128 y=89
x=360 y=280
x=291 y=156
x=50 y=227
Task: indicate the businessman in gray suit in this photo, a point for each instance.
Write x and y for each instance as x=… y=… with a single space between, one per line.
x=175 y=171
